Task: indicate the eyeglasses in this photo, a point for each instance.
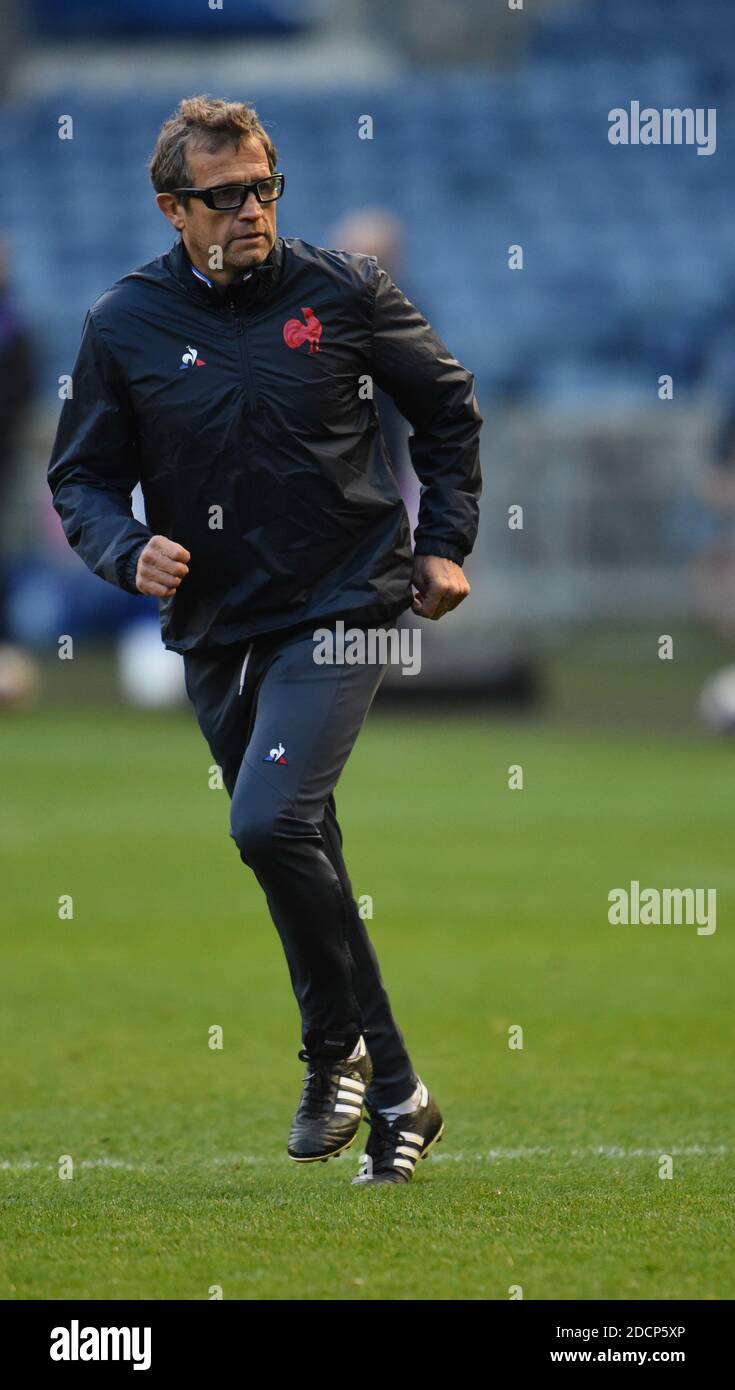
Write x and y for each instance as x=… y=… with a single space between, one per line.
x=232 y=195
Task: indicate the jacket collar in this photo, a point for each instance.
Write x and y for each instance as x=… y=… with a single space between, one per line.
x=263 y=278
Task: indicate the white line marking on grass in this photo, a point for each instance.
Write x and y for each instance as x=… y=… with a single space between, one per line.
x=24 y=1164
x=6 y=1165
x=591 y=1151
x=499 y=1155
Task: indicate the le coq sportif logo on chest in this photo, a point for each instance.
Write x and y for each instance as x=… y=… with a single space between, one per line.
x=191 y=358
x=296 y=332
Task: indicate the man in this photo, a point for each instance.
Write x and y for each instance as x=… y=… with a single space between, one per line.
x=231 y=377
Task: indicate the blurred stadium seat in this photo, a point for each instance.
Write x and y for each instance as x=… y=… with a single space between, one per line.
x=629 y=257
x=525 y=162
x=108 y=18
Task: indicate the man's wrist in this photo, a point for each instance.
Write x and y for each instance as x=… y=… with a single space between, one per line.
x=129 y=568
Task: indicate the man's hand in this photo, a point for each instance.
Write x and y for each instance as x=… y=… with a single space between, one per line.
x=161 y=567
x=441 y=586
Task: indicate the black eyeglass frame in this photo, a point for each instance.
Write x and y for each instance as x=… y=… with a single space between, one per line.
x=206 y=194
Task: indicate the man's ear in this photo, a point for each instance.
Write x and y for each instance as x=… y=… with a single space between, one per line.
x=171 y=208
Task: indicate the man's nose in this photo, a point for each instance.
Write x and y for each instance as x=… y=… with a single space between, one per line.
x=250 y=208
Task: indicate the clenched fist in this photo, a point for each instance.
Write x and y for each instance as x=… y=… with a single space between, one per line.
x=161 y=567
x=441 y=585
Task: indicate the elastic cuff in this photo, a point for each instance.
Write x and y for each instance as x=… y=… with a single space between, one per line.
x=128 y=569
x=444 y=550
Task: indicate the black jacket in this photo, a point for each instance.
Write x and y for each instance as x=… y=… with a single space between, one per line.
x=246 y=417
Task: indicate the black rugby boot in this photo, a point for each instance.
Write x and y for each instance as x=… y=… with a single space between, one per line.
x=330 y=1110
x=395 y=1146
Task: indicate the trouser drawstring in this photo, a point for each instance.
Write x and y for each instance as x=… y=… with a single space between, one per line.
x=244 y=668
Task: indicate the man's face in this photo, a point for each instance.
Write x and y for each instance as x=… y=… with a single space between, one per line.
x=245 y=234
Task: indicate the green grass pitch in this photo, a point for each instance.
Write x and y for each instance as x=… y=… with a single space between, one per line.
x=490 y=910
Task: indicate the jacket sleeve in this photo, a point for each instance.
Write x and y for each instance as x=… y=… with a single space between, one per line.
x=93 y=468
x=436 y=395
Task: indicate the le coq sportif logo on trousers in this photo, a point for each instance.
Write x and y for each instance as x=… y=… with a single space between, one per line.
x=75 y=1343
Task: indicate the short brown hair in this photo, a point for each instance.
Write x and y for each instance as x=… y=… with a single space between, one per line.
x=206 y=123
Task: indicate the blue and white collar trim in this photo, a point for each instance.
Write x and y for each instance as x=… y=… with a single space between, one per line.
x=206 y=279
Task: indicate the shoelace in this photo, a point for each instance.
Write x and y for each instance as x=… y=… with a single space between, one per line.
x=385 y=1136
x=316 y=1084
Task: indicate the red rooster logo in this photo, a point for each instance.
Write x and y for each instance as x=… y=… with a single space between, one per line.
x=295 y=333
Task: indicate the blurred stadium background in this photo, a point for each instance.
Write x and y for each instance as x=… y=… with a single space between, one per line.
x=490 y=131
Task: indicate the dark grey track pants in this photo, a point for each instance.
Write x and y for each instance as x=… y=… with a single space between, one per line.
x=253 y=700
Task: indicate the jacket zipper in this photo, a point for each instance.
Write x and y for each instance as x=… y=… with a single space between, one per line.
x=247 y=372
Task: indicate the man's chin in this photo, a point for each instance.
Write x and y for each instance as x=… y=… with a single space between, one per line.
x=243 y=254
